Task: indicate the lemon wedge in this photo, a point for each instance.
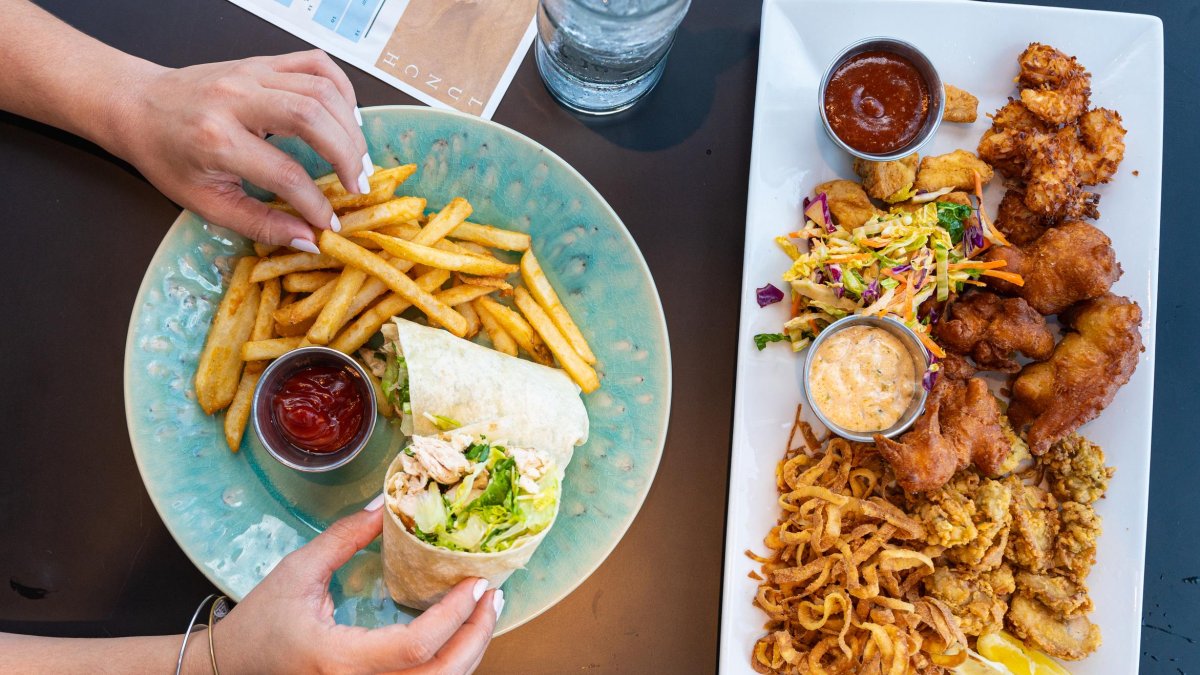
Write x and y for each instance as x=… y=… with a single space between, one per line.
x=1014 y=655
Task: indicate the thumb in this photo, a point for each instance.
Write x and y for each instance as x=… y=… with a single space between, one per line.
x=338 y=543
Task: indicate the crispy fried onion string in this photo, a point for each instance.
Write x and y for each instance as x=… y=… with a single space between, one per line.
x=841 y=583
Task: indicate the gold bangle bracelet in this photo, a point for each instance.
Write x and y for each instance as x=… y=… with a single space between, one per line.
x=219 y=610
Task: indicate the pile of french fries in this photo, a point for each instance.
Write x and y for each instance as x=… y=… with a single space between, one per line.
x=388 y=257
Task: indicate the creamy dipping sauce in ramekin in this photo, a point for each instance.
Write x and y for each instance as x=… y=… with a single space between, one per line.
x=862 y=378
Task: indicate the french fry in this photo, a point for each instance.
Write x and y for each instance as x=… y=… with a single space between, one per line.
x=492 y=237
x=264 y=250
x=369 y=322
x=277 y=266
x=238 y=413
x=294 y=329
x=392 y=211
x=352 y=254
x=332 y=186
x=264 y=319
x=493 y=283
x=458 y=295
x=472 y=317
x=307 y=282
x=265 y=350
x=517 y=327
x=473 y=248
x=371 y=290
x=333 y=315
x=444 y=222
x=220 y=367
x=541 y=290
x=435 y=257
x=501 y=340
x=305 y=308
x=583 y=374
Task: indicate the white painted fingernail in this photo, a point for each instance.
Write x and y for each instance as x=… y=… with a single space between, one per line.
x=479 y=588
x=364 y=186
x=374 y=506
x=335 y=224
x=498 y=602
x=304 y=245
x=358 y=116
x=368 y=165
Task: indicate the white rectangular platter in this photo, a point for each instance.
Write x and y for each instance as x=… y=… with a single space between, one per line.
x=974 y=45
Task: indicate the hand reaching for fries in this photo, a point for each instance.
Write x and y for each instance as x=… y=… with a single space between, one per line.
x=200 y=130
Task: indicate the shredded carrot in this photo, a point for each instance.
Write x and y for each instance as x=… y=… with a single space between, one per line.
x=987 y=243
x=873 y=242
x=889 y=273
x=1007 y=276
x=796 y=298
x=850 y=257
x=908 y=303
x=930 y=344
x=978 y=265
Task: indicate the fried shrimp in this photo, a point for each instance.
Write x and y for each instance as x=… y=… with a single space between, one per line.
x=1054 y=86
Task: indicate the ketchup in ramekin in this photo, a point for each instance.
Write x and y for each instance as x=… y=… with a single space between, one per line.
x=318 y=409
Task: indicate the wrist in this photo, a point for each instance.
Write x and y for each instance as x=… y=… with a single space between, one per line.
x=121 y=115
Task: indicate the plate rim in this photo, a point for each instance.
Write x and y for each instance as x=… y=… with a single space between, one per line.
x=622 y=526
x=1147 y=23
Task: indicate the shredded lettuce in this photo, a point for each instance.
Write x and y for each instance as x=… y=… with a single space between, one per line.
x=951 y=217
x=762 y=339
x=395 y=382
x=442 y=422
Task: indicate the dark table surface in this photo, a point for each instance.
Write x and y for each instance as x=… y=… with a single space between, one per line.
x=82 y=547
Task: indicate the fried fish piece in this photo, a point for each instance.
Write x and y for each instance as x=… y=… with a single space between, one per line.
x=1069 y=263
x=962 y=424
x=1016 y=222
x=953 y=170
x=1075 y=470
x=990 y=329
x=961 y=106
x=848 y=203
x=884 y=179
x=1070 y=638
x=1035 y=525
x=1054 y=86
x=1088 y=366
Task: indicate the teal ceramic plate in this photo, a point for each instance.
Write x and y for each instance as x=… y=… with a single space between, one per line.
x=236 y=515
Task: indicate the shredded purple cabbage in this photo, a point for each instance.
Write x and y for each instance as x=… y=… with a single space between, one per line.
x=929 y=379
x=768 y=295
x=901 y=268
x=920 y=278
x=825 y=212
x=872 y=293
x=835 y=273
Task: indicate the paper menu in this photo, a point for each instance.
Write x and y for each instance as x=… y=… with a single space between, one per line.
x=458 y=54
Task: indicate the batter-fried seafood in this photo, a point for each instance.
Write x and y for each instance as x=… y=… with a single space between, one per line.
x=842 y=582
x=1054 y=86
x=953 y=170
x=969 y=517
x=1058 y=593
x=1083 y=374
x=1053 y=187
x=1070 y=638
x=1075 y=547
x=848 y=203
x=1102 y=140
x=1016 y=222
x=990 y=328
x=1075 y=470
x=962 y=424
x=884 y=180
x=1067 y=264
x=977 y=600
x=961 y=106
x=956 y=367
x=1035 y=523
x=1003 y=146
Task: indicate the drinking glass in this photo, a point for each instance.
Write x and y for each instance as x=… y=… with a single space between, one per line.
x=601 y=56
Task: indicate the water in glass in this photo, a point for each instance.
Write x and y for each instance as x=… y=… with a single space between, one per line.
x=601 y=56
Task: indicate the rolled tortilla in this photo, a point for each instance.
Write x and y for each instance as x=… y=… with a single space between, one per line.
x=419 y=574
x=469 y=383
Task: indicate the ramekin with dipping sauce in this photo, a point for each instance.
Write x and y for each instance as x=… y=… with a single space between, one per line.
x=863 y=376
x=881 y=99
x=314 y=409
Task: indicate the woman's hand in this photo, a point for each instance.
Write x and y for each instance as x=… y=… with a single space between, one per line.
x=285 y=625
x=196 y=132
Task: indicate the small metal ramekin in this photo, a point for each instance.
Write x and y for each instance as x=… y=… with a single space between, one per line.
x=937 y=95
x=921 y=361
x=275 y=442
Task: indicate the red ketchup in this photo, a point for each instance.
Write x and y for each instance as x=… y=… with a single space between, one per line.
x=318 y=409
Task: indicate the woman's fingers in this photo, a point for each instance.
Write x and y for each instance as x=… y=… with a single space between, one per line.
x=272 y=169
x=400 y=646
x=337 y=544
x=284 y=113
x=464 y=650
x=227 y=205
x=326 y=92
x=315 y=62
